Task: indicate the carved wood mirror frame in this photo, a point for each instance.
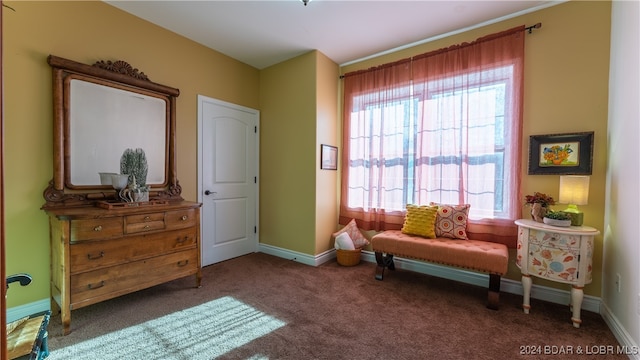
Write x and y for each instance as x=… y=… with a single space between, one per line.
x=118 y=75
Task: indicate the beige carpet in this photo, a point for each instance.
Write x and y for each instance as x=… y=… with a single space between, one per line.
x=263 y=307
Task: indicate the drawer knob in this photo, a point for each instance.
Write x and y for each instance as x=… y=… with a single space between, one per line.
x=95 y=286
x=183 y=263
x=147 y=227
x=184 y=217
x=147 y=218
x=95 y=257
x=98 y=228
x=181 y=240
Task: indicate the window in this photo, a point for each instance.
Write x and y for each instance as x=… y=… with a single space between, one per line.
x=415 y=135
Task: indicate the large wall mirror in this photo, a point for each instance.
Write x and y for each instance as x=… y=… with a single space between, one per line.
x=101 y=110
x=103 y=122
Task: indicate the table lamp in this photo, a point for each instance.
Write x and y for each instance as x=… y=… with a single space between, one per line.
x=574 y=190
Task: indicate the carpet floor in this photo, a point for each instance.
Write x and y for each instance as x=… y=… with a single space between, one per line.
x=260 y=306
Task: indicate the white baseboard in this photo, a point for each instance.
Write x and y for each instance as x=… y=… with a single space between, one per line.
x=589 y=303
x=18 y=312
x=620 y=332
x=298 y=256
x=556 y=296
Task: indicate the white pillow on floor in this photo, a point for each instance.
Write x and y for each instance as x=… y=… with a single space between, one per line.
x=344 y=242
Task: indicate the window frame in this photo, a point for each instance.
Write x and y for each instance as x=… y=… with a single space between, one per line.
x=411 y=100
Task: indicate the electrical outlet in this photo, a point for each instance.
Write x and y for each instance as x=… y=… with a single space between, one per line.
x=618 y=282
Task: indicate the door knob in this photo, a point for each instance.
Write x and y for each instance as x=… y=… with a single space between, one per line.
x=207 y=192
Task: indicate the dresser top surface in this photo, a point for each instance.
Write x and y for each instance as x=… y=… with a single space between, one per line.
x=90 y=212
x=579 y=230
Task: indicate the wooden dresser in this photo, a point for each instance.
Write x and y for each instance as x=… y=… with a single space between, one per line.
x=98 y=254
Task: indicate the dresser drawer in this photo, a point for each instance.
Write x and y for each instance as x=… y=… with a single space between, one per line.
x=554 y=240
x=102 y=228
x=90 y=255
x=143 y=223
x=144 y=218
x=94 y=286
x=180 y=219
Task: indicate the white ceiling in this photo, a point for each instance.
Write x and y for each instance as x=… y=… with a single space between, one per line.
x=264 y=33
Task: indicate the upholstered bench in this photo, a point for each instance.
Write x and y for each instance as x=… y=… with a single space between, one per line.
x=483 y=256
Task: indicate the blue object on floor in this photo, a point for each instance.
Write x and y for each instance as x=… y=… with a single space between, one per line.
x=40 y=349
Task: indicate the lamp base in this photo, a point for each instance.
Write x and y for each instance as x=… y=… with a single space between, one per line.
x=577 y=217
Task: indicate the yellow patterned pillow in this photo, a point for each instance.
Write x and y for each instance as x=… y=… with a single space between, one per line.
x=420 y=220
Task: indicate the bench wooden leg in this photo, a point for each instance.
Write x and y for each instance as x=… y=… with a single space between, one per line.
x=494 y=292
x=383 y=261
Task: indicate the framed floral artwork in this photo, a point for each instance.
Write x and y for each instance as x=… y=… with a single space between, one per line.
x=561 y=154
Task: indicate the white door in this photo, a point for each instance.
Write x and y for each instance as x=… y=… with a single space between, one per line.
x=228 y=179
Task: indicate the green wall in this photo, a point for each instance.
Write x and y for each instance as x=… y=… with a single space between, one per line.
x=299 y=111
x=287 y=157
x=86 y=32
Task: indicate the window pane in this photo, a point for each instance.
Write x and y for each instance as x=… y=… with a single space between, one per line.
x=444 y=145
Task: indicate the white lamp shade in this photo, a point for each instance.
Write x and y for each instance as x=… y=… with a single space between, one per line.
x=574 y=189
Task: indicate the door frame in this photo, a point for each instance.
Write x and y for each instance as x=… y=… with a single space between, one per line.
x=200 y=188
x=3 y=281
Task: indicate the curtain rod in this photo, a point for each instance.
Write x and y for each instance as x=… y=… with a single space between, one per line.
x=527 y=28
x=536 y=26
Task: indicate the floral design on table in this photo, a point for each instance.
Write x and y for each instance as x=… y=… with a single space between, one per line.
x=555 y=255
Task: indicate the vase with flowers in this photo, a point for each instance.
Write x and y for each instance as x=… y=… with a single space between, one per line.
x=539 y=203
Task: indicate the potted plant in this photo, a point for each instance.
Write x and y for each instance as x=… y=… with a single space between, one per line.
x=134 y=163
x=557 y=218
x=539 y=203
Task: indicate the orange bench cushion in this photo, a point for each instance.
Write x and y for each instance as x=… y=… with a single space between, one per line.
x=476 y=255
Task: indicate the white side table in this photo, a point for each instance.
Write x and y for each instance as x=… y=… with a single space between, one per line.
x=561 y=254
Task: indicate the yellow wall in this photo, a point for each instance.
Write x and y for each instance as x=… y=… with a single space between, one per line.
x=327 y=181
x=566 y=82
x=87 y=32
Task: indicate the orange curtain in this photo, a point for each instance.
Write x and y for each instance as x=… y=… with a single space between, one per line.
x=381 y=86
x=428 y=129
